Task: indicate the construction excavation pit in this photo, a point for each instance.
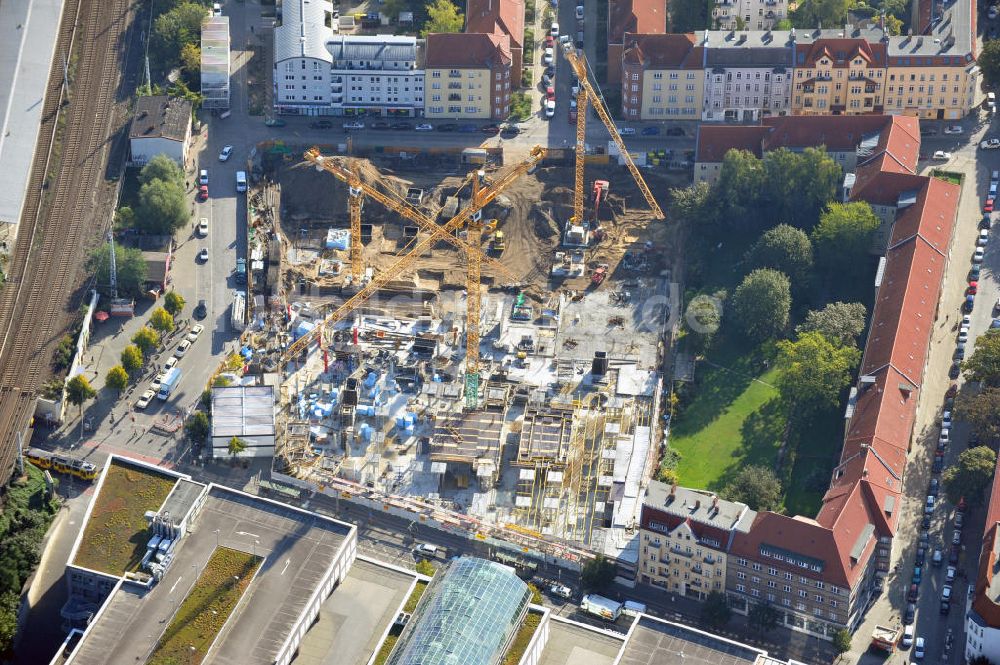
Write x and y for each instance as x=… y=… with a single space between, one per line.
x=466 y=338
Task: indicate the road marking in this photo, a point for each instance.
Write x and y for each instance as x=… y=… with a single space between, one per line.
x=175 y=585
x=287 y=561
x=247 y=533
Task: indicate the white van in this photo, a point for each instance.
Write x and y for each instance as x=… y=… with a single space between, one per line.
x=632 y=608
x=426 y=550
x=241 y=181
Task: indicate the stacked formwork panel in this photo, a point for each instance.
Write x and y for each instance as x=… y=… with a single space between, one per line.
x=215 y=62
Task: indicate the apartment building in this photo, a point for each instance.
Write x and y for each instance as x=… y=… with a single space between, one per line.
x=376 y=75
x=468 y=75
x=645 y=17
x=502 y=18
x=662 y=77
x=835 y=76
x=301 y=76
x=685 y=536
x=748 y=75
x=748 y=14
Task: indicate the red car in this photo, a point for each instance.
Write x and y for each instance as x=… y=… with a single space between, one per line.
x=550 y=93
x=550 y=41
x=988 y=206
x=973 y=288
x=203 y=193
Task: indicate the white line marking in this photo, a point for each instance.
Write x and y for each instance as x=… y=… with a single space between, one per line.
x=287 y=561
x=175 y=585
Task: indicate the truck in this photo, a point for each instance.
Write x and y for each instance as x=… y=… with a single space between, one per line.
x=885 y=638
x=169 y=382
x=602 y=607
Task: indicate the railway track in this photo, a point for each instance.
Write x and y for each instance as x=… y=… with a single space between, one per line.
x=57 y=221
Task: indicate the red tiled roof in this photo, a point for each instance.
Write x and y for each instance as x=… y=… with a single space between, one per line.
x=714 y=141
x=883 y=188
x=669 y=51
x=840 y=52
x=467 y=50
x=930 y=217
x=501 y=17
x=883 y=418
x=636 y=16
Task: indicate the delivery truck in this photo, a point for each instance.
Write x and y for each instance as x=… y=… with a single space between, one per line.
x=602 y=607
x=169 y=382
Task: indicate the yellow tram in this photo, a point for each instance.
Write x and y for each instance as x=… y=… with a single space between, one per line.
x=61 y=464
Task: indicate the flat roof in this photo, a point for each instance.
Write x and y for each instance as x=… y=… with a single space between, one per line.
x=28 y=35
x=243 y=411
x=299 y=547
x=653 y=642
x=571 y=643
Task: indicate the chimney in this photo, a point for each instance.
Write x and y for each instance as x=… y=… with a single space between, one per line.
x=697 y=504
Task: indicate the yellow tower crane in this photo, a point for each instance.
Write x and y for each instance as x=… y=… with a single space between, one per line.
x=578 y=62
x=481 y=197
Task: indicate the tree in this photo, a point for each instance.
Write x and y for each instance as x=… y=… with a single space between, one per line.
x=715 y=611
x=839 y=322
x=147 y=339
x=191 y=59
x=783 y=24
x=425 y=567
x=198 y=427
x=756 y=486
x=124 y=218
x=9 y=602
x=844 y=235
x=893 y=25
x=761 y=304
x=236 y=446
x=173 y=302
x=692 y=205
x=132 y=359
x=130 y=265
x=703 y=318
x=798 y=185
x=163 y=168
x=117 y=379
x=597 y=573
x=982 y=412
x=161 y=320
x=984 y=363
x=738 y=189
x=989 y=62
x=174 y=29
x=813 y=371
x=812 y=13
x=442 y=16
x=784 y=248
x=842 y=641
x=970 y=476
x=762 y=617
x=690 y=15
x=163 y=206
x=79 y=390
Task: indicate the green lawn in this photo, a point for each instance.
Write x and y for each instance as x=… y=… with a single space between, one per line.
x=733 y=418
x=206 y=608
x=114 y=540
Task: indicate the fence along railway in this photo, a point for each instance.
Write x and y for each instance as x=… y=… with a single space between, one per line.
x=57 y=221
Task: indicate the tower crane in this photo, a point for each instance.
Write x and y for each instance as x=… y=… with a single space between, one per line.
x=588 y=95
x=480 y=198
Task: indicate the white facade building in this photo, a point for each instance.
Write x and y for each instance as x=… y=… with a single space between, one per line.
x=301 y=81
x=754 y=14
x=748 y=75
x=161 y=126
x=376 y=75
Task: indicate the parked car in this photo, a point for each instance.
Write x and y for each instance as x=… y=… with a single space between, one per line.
x=357 y=124
x=154 y=385
x=938 y=465
x=978 y=255
x=941 y=156
x=491 y=130
x=468 y=128
x=984 y=237
x=969 y=304
x=144 y=399
x=548 y=55
x=918 y=574
x=554 y=30
x=200 y=310
x=182 y=348
x=955 y=371
x=988 y=206
x=447 y=127
x=929 y=505
x=949 y=575
x=321 y=124
x=909 y=614
x=550 y=92
x=953 y=553
x=203 y=177
x=203 y=254
x=937 y=558
x=925 y=522
x=990 y=144
x=203 y=227
x=913 y=593
x=203 y=193
x=194 y=332
x=953 y=129
x=626 y=131
x=956 y=537
x=510 y=130
x=974 y=272
x=579 y=12
x=424 y=127
x=907 y=640
x=921 y=555
x=561 y=590
x=946 y=418
x=381 y=124
x=918 y=648
x=401 y=126
x=933 y=488
x=986 y=222
x=226 y=152
x=650 y=131
x=972 y=288
x=550 y=108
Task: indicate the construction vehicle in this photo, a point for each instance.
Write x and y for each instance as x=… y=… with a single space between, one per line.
x=599 y=274
x=499 y=242
x=601 y=188
x=588 y=95
x=481 y=196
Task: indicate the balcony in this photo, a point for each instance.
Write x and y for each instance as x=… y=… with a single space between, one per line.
x=677 y=550
x=454 y=98
x=454 y=74
x=454 y=86
x=697 y=569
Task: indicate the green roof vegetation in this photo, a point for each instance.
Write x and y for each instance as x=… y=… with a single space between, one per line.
x=206 y=608
x=390 y=639
x=114 y=540
x=523 y=638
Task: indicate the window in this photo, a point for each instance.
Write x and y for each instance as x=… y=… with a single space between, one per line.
x=657 y=99
x=786 y=589
x=755 y=579
x=741 y=576
x=755 y=593
x=756 y=566
x=803 y=594
x=435 y=75
x=657 y=75
x=635 y=77
x=741 y=588
x=788 y=576
x=819 y=598
x=771 y=584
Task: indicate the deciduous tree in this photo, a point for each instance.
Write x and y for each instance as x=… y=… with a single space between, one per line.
x=161 y=167
x=989 y=62
x=844 y=236
x=236 y=446
x=762 y=617
x=970 y=476
x=839 y=322
x=130 y=265
x=761 y=304
x=984 y=363
x=690 y=15
x=79 y=390
x=982 y=412
x=784 y=248
x=174 y=29
x=738 y=190
x=147 y=340
x=715 y=611
x=813 y=13
x=163 y=207
x=198 y=427
x=597 y=573
x=173 y=302
x=132 y=359
x=813 y=371
x=757 y=486
x=161 y=320
x=117 y=379
x=443 y=16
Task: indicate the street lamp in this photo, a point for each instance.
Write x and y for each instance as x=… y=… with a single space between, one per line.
x=254 y=547
x=217 y=532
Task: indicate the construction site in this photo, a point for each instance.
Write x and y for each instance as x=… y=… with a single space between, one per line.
x=483 y=337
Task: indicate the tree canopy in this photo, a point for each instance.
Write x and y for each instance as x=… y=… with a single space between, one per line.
x=173 y=302
x=163 y=207
x=784 y=248
x=198 y=427
x=236 y=446
x=117 y=379
x=798 y=185
x=132 y=359
x=161 y=167
x=715 y=610
x=79 y=390
x=989 y=62
x=970 y=476
x=131 y=270
x=844 y=235
x=690 y=15
x=761 y=304
x=442 y=16
x=147 y=340
x=813 y=13
x=172 y=31
x=813 y=371
x=757 y=486
x=982 y=412
x=762 y=617
x=161 y=320
x=839 y=322
x=984 y=363
x=597 y=573
x=739 y=187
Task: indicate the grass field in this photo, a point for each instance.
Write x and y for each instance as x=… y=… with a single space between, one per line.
x=206 y=608
x=114 y=539
x=733 y=419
